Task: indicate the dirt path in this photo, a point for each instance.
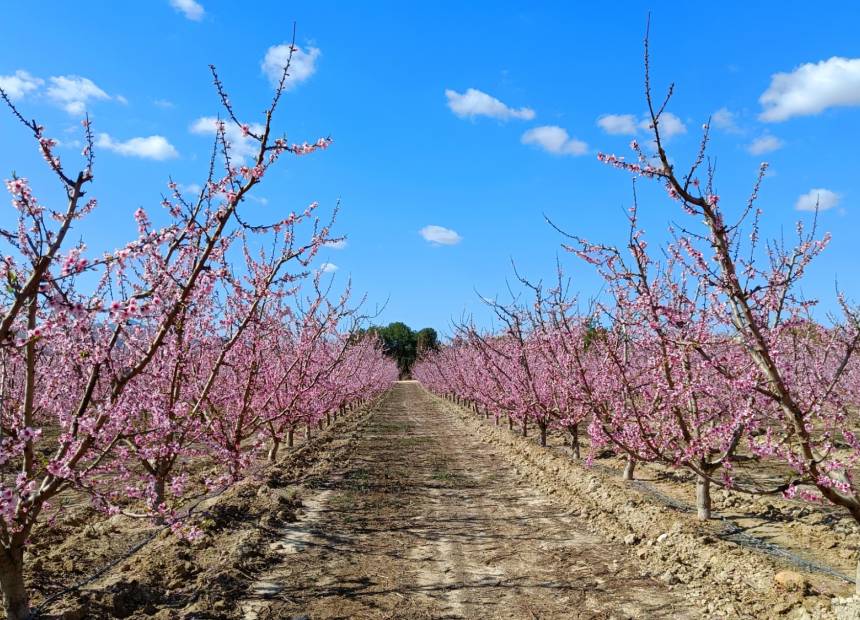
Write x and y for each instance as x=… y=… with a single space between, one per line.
x=426 y=521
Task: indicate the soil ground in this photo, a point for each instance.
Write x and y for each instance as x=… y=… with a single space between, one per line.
x=418 y=508
x=427 y=521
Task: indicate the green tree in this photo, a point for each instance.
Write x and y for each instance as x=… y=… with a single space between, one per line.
x=427 y=340
x=403 y=344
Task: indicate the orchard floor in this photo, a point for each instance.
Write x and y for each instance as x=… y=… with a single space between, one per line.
x=424 y=520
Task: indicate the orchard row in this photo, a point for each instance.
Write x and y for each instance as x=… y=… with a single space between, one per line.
x=699 y=354
x=198 y=346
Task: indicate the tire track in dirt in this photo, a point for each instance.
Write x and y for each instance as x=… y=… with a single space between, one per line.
x=426 y=521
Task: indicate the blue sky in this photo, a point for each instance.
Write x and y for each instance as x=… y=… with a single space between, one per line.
x=415 y=147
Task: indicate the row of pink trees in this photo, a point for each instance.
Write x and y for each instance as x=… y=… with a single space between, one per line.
x=194 y=340
x=701 y=354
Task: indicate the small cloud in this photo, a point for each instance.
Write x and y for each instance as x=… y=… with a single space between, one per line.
x=670 y=125
x=242 y=146
x=150 y=147
x=812 y=88
x=72 y=93
x=328 y=268
x=618 y=124
x=191 y=188
x=303 y=64
x=121 y=99
x=627 y=125
x=765 y=144
x=439 y=235
x=20 y=84
x=555 y=140
x=191 y=9
x=70 y=144
x=820 y=199
x=474 y=103
x=340 y=244
x=726 y=120
x=164 y=104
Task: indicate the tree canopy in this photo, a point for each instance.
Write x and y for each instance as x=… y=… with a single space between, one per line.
x=405 y=345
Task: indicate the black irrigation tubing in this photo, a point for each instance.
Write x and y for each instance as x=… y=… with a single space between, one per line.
x=734 y=533
x=37 y=611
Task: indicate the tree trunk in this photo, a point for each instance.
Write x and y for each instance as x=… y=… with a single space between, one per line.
x=703 y=498
x=15 y=599
x=307 y=431
x=525 y=427
x=542 y=427
x=629 y=467
x=574 y=440
x=290 y=437
x=272 y=455
x=497 y=420
x=320 y=424
x=158 y=490
x=328 y=418
x=857 y=579
x=510 y=423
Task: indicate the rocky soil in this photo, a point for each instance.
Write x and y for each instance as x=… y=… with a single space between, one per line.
x=419 y=508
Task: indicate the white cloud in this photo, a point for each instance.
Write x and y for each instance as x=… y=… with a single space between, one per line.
x=19 y=85
x=328 y=267
x=474 y=103
x=627 y=125
x=439 y=235
x=765 y=144
x=150 y=147
x=726 y=120
x=336 y=245
x=812 y=88
x=242 y=146
x=670 y=125
x=554 y=139
x=822 y=199
x=302 y=65
x=164 y=104
x=72 y=92
x=193 y=189
x=618 y=124
x=191 y=9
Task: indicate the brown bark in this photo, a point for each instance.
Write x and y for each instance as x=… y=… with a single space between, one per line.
x=703 y=498
x=629 y=467
x=574 y=440
x=15 y=599
x=272 y=455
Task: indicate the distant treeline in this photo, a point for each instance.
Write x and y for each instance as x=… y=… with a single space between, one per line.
x=404 y=344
